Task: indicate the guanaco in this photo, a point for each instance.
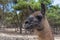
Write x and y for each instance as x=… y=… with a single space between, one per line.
x=38 y=22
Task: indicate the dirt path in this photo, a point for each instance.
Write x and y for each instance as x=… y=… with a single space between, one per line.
x=4 y=36
x=57 y=38
x=9 y=34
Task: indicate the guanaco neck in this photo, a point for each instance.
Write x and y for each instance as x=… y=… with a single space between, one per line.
x=46 y=33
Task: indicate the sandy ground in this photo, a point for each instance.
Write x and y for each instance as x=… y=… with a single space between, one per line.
x=57 y=37
x=6 y=34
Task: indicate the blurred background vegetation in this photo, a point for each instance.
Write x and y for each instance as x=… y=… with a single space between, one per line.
x=14 y=12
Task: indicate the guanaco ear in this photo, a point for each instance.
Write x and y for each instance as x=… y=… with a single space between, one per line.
x=43 y=8
x=30 y=9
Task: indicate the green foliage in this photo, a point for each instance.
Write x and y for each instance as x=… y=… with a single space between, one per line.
x=53 y=12
x=53 y=15
x=35 y=6
x=23 y=4
x=8 y=19
x=3 y=2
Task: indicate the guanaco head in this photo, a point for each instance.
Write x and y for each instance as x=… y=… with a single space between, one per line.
x=34 y=20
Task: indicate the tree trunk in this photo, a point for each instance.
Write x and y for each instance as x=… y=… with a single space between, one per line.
x=18 y=24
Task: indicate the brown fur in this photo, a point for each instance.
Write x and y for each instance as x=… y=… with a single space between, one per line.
x=42 y=29
x=45 y=34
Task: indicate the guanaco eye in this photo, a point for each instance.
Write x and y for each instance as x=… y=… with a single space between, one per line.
x=39 y=17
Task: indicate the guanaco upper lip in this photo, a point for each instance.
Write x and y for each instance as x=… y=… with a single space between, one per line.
x=28 y=26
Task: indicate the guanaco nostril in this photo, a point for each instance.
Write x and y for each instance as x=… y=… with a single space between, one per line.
x=26 y=22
